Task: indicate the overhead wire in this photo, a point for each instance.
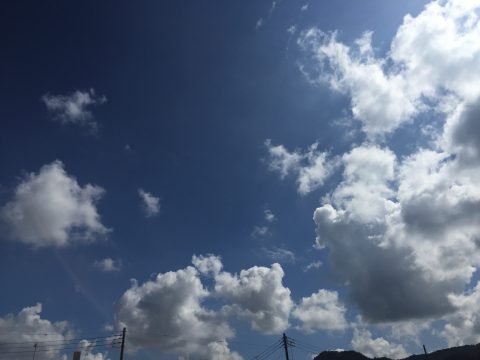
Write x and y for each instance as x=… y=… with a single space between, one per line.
x=40 y=344
x=310 y=347
x=10 y=349
x=61 y=340
x=269 y=350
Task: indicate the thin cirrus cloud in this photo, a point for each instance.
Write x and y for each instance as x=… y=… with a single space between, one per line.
x=279 y=254
x=150 y=203
x=400 y=217
x=74 y=108
x=50 y=208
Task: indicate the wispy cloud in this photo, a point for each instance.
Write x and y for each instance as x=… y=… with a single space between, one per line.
x=108 y=265
x=263 y=229
x=310 y=167
x=74 y=108
x=150 y=203
x=313 y=266
x=279 y=254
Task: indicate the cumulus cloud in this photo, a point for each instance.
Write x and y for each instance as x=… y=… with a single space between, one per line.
x=29 y=327
x=167 y=314
x=87 y=349
x=51 y=209
x=414 y=233
x=108 y=265
x=432 y=56
x=364 y=192
x=363 y=342
x=258 y=295
x=321 y=311
x=310 y=168
x=402 y=232
x=209 y=264
x=74 y=108
x=463 y=327
x=150 y=203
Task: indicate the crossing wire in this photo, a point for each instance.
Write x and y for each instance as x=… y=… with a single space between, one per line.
x=269 y=350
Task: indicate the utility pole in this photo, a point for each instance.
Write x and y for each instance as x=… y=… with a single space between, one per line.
x=425 y=351
x=285 y=345
x=34 y=350
x=123 y=343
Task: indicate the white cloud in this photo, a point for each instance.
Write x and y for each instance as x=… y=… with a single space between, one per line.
x=269 y=216
x=292 y=29
x=209 y=264
x=321 y=311
x=108 y=265
x=74 y=108
x=29 y=327
x=463 y=327
x=313 y=265
x=258 y=295
x=279 y=254
x=432 y=55
x=170 y=312
x=304 y=7
x=405 y=225
x=412 y=226
x=363 y=342
x=51 y=209
x=87 y=350
x=310 y=167
x=281 y=160
x=150 y=203
x=167 y=314
x=260 y=231
x=365 y=190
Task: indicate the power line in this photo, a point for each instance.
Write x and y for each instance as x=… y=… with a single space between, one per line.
x=60 y=340
x=114 y=342
x=274 y=347
x=64 y=343
x=65 y=347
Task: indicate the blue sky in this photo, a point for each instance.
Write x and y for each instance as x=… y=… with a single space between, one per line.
x=224 y=172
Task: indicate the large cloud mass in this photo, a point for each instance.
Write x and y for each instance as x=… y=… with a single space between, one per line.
x=167 y=313
x=170 y=312
x=433 y=58
x=51 y=209
x=402 y=231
